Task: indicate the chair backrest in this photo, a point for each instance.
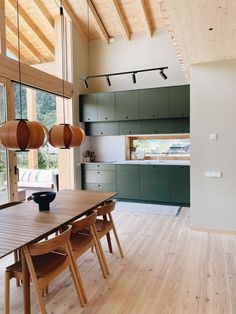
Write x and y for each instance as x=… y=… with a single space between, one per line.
x=9 y=204
x=107 y=208
x=50 y=245
x=84 y=223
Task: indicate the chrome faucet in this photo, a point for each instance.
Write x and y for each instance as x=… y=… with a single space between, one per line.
x=157 y=153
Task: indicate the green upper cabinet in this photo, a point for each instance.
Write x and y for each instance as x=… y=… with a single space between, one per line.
x=89 y=107
x=179 y=101
x=129 y=127
x=155 y=183
x=154 y=103
x=102 y=128
x=180 y=184
x=127 y=105
x=106 y=107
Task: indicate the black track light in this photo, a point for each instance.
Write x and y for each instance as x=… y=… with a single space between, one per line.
x=134 y=77
x=133 y=73
x=162 y=74
x=108 y=80
x=85 y=83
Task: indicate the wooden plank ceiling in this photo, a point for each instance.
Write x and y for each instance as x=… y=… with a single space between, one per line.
x=201 y=30
x=104 y=19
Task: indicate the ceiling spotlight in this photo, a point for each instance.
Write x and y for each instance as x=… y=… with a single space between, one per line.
x=162 y=74
x=134 y=77
x=108 y=80
x=85 y=83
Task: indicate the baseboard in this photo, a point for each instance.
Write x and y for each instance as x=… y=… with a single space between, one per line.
x=233 y=232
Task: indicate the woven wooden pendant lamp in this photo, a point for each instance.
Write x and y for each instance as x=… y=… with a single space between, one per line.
x=21 y=134
x=65 y=135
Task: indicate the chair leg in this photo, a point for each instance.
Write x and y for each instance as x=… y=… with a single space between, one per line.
x=109 y=242
x=101 y=251
x=7 y=292
x=100 y=259
x=116 y=235
x=118 y=242
x=16 y=259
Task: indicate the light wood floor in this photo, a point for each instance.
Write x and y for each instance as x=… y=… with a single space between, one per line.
x=167 y=269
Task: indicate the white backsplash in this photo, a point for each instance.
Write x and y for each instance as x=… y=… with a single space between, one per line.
x=108 y=148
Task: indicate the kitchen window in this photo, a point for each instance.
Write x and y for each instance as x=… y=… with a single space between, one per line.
x=163 y=147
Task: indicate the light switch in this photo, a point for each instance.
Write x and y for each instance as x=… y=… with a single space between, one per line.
x=213 y=137
x=213 y=174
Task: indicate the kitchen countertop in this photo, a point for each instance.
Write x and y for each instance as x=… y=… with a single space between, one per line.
x=145 y=162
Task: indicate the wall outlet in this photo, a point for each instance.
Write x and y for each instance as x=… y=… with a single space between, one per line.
x=213 y=137
x=213 y=174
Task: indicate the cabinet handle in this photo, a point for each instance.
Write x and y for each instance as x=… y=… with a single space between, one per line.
x=106 y=118
x=182 y=114
x=101 y=132
x=127 y=117
x=130 y=132
x=99 y=185
x=153 y=115
x=98 y=172
x=88 y=119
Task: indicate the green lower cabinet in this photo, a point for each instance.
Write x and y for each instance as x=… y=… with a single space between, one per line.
x=100 y=176
x=102 y=128
x=180 y=184
x=128 y=181
x=100 y=187
x=155 y=183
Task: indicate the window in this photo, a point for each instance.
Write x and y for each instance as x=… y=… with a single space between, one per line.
x=158 y=147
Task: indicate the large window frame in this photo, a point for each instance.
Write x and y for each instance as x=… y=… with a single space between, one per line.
x=130 y=145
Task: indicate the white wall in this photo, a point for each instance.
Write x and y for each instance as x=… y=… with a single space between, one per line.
x=142 y=52
x=213 y=110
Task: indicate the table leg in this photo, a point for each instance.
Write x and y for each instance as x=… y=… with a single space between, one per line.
x=26 y=283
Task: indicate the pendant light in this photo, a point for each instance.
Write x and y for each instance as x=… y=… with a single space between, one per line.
x=21 y=134
x=65 y=135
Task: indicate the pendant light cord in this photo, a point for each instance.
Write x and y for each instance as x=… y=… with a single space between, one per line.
x=62 y=58
x=19 y=57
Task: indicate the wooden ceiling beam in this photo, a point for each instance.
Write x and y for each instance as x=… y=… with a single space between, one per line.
x=44 y=11
x=121 y=19
x=2 y=28
x=144 y=15
x=14 y=51
x=97 y=22
x=25 y=41
x=73 y=17
x=33 y=26
x=35 y=78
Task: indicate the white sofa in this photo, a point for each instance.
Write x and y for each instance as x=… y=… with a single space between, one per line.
x=37 y=179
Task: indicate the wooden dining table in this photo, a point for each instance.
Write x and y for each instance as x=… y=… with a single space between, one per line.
x=24 y=223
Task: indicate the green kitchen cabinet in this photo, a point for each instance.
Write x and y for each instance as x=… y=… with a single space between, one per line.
x=99 y=177
x=180 y=184
x=128 y=181
x=179 y=101
x=106 y=106
x=89 y=108
x=103 y=187
x=154 y=103
x=154 y=183
x=161 y=126
x=127 y=105
x=129 y=127
x=179 y=125
x=102 y=128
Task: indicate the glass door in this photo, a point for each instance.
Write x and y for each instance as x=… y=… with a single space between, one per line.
x=4 y=195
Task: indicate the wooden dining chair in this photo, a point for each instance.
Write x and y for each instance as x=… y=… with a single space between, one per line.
x=44 y=264
x=16 y=252
x=105 y=225
x=84 y=237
